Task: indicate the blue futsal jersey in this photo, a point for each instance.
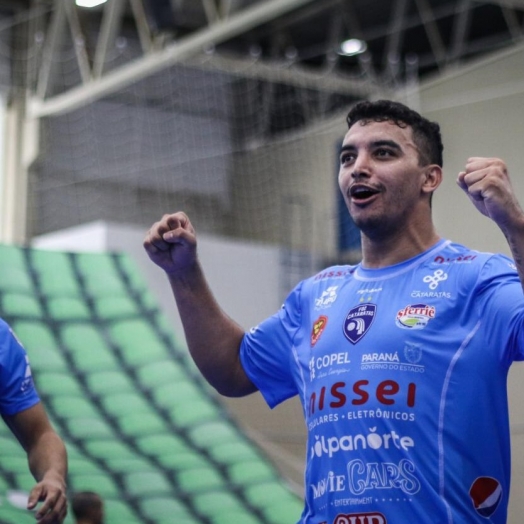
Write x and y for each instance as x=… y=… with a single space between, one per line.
x=402 y=376
x=17 y=391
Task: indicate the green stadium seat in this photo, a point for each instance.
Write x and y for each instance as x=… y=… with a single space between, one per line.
x=4 y=484
x=132 y=272
x=236 y=516
x=171 y=451
x=109 y=448
x=24 y=481
x=129 y=464
x=11 y=515
x=136 y=425
x=250 y=472
x=20 y=305
x=232 y=452
x=14 y=275
x=15 y=463
x=200 y=479
x=182 y=391
x=194 y=412
x=147 y=483
x=274 y=494
x=160 y=444
x=214 y=503
x=284 y=512
x=133 y=414
x=73 y=407
x=89 y=428
x=68 y=308
x=55 y=383
x=10 y=446
x=167 y=509
x=55 y=273
x=15 y=279
x=4 y=430
x=101 y=383
x=138 y=342
x=210 y=434
x=117 y=512
x=41 y=346
x=100 y=274
x=119 y=404
x=102 y=484
x=73 y=451
x=80 y=465
x=87 y=348
x=115 y=307
x=178 y=461
x=153 y=374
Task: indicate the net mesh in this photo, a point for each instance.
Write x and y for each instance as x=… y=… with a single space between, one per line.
x=246 y=153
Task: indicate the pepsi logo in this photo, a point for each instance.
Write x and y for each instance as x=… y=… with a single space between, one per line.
x=485 y=493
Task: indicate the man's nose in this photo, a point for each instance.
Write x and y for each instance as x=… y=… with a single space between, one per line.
x=361 y=167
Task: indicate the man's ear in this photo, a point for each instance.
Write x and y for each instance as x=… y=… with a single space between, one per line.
x=432 y=178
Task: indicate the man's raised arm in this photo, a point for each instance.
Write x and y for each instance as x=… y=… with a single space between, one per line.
x=212 y=336
x=486 y=182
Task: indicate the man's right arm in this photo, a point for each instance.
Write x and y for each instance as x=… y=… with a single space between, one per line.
x=212 y=336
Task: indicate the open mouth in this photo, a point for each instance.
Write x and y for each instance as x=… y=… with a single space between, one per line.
x=361 y=193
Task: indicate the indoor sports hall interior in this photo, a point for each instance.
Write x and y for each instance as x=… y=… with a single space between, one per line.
x=115 y=112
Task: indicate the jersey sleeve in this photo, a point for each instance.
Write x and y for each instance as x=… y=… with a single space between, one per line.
x=17 y=391
x=500 y=299
x=267 y=352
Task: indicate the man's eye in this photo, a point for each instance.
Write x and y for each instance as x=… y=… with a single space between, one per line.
x=383 y=153
x=345 y=159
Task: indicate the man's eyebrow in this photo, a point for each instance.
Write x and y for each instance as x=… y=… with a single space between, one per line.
x=388 y=143
x=375 y=144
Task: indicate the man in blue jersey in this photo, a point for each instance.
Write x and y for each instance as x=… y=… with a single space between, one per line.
x=25 y=415
x=400 y=361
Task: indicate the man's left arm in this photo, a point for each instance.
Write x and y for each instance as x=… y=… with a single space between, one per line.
x=47 y=460
x=487 y=184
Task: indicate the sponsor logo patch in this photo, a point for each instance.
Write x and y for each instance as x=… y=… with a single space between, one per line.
x=485 y=493
x=327 y=298
x=318 y=327
x=361 y=518
x=435 y=279
x=415 y=316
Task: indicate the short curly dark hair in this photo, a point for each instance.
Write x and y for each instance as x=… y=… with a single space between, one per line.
x=87 y=505
x=426 y=134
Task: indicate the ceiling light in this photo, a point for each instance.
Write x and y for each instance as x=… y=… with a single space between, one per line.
x=89 y=3
x=352 y=47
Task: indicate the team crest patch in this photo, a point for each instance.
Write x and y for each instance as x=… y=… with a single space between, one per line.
x=318 y=327
x=485 y=493
x=358 y=321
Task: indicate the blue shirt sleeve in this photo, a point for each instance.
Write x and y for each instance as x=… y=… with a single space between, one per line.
x=267 y=352
x=500 y=299
x=17 y=391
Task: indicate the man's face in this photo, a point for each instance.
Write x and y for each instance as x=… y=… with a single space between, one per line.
x=380 y=175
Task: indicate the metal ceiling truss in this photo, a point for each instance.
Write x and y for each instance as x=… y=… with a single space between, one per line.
x=215 y=22
x=224 y=21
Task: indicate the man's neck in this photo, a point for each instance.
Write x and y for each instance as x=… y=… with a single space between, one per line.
x=394 y=249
